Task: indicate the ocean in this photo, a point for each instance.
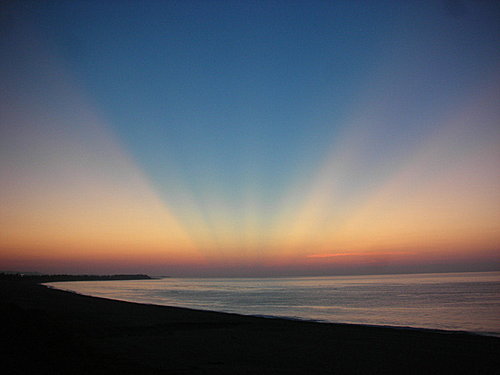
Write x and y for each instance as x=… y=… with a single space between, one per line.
x=445 y=301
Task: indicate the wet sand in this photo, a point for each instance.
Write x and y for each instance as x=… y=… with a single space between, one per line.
x=49 y=331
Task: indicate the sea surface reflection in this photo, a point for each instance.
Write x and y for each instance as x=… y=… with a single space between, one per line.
x=451 y=301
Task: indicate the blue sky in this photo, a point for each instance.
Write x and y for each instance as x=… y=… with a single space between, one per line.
x=232 y=87
x=231 y=102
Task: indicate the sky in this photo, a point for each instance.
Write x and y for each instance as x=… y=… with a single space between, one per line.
x=249 y=138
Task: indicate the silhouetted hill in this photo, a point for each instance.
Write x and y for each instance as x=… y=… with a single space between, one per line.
x=53 y=278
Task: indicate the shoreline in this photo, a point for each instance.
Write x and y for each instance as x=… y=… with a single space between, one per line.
x=287 y=318
x=60 y=331
x=404 y=328
x=270 y=316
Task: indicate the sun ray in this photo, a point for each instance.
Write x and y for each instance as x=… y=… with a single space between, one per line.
x=75 y=190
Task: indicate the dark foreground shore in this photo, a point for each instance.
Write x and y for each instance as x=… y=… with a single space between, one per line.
x=48 y=331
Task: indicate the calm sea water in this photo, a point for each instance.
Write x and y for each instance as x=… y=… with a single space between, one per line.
x=452 y=301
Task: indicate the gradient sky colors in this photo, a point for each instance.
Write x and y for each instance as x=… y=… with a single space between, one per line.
x=250 y=137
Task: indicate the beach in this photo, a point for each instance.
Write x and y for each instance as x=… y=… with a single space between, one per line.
x=53 y=331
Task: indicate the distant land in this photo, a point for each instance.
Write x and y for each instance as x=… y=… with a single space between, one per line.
x=41 y=278
x=20 y=273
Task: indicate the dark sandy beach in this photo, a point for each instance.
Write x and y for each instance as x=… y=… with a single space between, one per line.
x=49 y=331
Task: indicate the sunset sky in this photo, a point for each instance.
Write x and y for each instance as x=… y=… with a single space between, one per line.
x=247 y=138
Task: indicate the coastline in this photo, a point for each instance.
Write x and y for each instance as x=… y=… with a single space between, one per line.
x=411 y=302
x=59 y=331
x=287 y=318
